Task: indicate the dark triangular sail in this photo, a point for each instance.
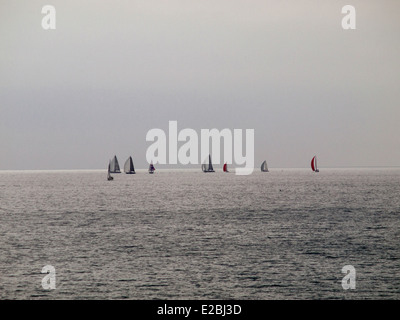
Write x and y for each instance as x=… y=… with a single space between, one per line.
x=264 y=167
x=207 y=167
x=210 y=166
x=128 y=167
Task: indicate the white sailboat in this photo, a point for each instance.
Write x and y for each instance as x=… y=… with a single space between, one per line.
x=314 y=164
x=264 y=167
x=209 y=167
x=128 y=166
x=114 y=165
x=151 y=168
x=109 y=177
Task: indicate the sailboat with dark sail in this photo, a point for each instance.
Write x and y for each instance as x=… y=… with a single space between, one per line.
x=151 y=168
x=314 y=164
x=109 y=177
x=264 y=167
x=114 y=166
x=128 y=166
x=208 y=167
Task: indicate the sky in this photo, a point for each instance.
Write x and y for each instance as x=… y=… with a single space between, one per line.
x=73 y=97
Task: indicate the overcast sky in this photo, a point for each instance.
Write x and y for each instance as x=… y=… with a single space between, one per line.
x=73 y=97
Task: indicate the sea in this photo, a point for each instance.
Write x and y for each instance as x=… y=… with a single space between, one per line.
x=183 y=234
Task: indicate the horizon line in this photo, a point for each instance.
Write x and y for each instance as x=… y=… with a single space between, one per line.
x=182 y=168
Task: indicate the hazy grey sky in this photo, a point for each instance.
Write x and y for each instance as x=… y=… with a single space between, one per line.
x=73 y=97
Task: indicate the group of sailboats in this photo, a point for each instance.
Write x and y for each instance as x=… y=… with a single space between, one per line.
x=264 y=167
x=113 y=167
x=209 y=167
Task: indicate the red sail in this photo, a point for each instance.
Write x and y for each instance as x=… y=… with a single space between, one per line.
x=225 y=167
x=312 y=164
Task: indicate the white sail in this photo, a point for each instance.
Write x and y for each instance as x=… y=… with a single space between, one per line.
x=114 y=166
x=109 y=177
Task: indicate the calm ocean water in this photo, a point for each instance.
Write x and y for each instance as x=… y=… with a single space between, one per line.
x=285 y=234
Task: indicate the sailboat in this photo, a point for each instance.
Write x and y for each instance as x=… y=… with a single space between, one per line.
x=114 y=166
x=209 y=167
x=225 y=167
x=314 y=164
x=128 y=166
x=109 y=177
x=264 y=167
x=151 y=168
